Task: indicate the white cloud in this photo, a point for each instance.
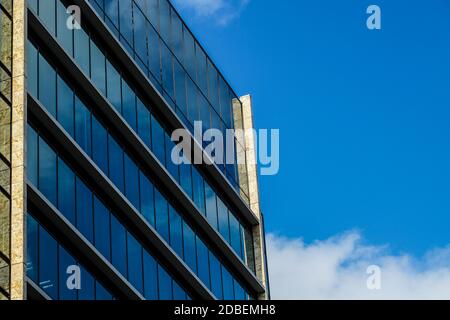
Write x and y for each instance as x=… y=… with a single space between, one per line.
x=220 y=11
x=336 y=269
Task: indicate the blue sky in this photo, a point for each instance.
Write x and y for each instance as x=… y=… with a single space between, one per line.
x=363 y=115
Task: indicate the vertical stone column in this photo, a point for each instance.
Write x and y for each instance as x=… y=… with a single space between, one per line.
x=249 y=177
x=18 y=154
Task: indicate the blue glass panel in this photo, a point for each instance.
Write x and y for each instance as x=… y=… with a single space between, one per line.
x=82 y=126
x=87 y=291
x=140 y=34
x=126 y=18
x=167 y=71
x=190 y=252
x=134 y=252
x=224 y=227
x=228 y=288
x=65 y=260
x=64 y=34
x=81 y=50
x=165 y=284
x=84 y=210
x=129 y=105
x=98 y=68
x=154 y=53
x=170 y=165
x=164 y=19
x=113 y=87
x=32 y=248
x=186 y=179
x=101 y=293
x=239 y=293
x=158 y=141
x=162 y=217
x=199 y=190
x=176 y=231
x=47 y=14
x=180 y=87
x=112 y=11
x=144 y=123
x=150 y=277
x=235 y=233
x=102 y=234
x=47 y=86
x=192 y=103
x=216 y=277
x=131 y=182
x=47 y=171
x=32 y=156
x=116 y=166
x=32 y=65
x=100 y=143
x=211 y=209
x=147 y=199
x=118 y=245
x=178 y=292
x=66 y=107
x=48 y=264
x=66 y=191
x=203 y=262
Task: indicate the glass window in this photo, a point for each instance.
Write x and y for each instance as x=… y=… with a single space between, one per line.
x=177 y=36
x=192 y=104
x=87 y=291
x=47 y=86
x=66 y=191
x=180 y=87
x=32 y=64
x=129 y=105
x=33 y=4
x=165 y=284
x=32 y=248
x=201 y=68
x=47 y=15
x=178 y=292
x=167 y=74
x=189 y=53
x=82 y=126
x=112 y=11
x=161 y=214
x=101 y=293
x=48 y=264
x=32 y=156
x=84 y=210
x=223 y=220
x=64 y=34
x=143 y=122
x=228 y=289
x=118 y=246
x=147 y=200
x=134 y=263
x=81 y=50
x=98 y=68
x=47 y=171
x=205 y=112
x=65 y=260
x=100 y=141
x=199 y=190
x=116 y=166
x=176 y=231
x=150 y=277
x=153 y=12
x=216 y=277
x=164 y=16
x=211 y=207
x=186 y=179
x=213 y=89
x=126 y=21
x=225 y=103
x=235 y=233
x=170 y=165
x=239 y=293
x=154 y=53
x=113 y=87
x=140 y=37
x=158 y=141
x=190 y=254
x=203 y=262
x=65 y=107
x=131 y=182
x=102 y=235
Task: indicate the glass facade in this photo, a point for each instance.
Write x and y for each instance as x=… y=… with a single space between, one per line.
x=5 y=144
x=91 y=216
x=173 y=61
x=80 y=122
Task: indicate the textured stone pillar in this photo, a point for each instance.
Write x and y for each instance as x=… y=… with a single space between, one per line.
x=18 y=154
x=249 y=181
